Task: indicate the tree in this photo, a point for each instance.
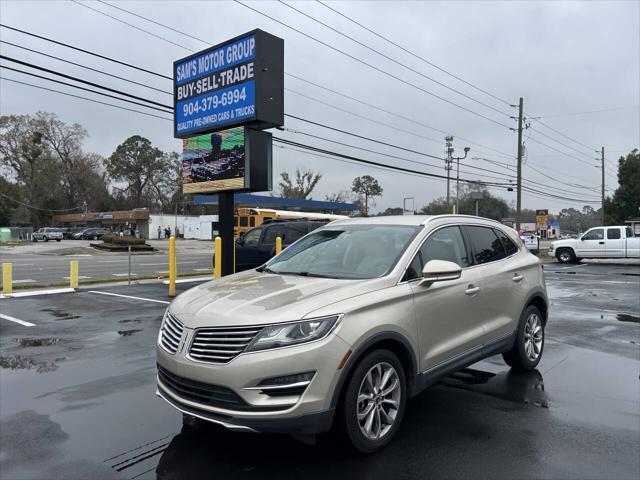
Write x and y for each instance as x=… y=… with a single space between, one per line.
x=305 y=182
x=26 y=157
x=64 y=142
x=625 y=203
x=137 y=162
x=367 y=188
x=489 y=206
x=392 y=211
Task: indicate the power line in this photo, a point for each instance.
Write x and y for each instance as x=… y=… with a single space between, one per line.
x=565 y=154
x=41 y=209
x=128 y=24
x=394 y=114
x=370 y=162
x=84 y=98
x=380 y=70
x=87 y=68
x=291 y=75
x=579 y=152
x=81 y=88
x=612 y=109
x=88 y=52
x=154 y=22
x=391 y=167
x=417 y=72
x=86 y=82
x=386 y=39
x=591 y=149
x=292 y=116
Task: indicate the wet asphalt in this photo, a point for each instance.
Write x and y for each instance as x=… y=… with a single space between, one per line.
x=77 y=399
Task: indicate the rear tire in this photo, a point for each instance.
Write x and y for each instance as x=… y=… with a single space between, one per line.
x=373 y=404
x=566 y=255
x=529 y=345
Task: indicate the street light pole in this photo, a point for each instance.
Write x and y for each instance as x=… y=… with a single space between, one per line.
x=466 y=151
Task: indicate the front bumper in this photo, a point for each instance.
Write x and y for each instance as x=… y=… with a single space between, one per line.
x=309 y=412
x=309 y=424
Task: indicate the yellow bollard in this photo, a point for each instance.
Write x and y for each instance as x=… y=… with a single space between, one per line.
x=73 y=273
x=172 y=266
x=217 y=258
x=7 y=278
x=278 y=245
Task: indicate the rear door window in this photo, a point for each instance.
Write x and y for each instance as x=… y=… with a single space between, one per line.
x=271 y=233
x=294 y=232
x=486 y=246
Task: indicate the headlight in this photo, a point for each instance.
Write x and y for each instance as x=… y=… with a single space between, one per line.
x=275 y=336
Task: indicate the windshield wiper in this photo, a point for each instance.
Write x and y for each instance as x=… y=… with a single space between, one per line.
x=265 y=269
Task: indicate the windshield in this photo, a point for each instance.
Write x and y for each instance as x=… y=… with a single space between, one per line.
x=350 y=251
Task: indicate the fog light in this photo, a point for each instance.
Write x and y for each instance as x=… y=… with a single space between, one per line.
x=287 y=380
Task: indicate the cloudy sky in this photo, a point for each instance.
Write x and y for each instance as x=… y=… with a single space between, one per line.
x=563 y=58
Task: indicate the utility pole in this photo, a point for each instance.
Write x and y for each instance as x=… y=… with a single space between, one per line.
x=519 y=194
x=447 y=163
x=602 y=185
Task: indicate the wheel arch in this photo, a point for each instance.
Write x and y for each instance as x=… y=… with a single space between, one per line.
x=540 y=302
x=391 y=341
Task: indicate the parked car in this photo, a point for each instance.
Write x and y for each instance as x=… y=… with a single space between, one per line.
x=258 y=245
x=347 y=324
x=598 y=242
x=92 y=234
x=47 y=233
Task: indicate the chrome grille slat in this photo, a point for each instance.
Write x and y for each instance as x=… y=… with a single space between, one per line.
x=172 y=331
x=220 y=344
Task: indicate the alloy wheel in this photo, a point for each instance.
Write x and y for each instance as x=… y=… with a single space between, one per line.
x=565 y=256
x=378 y=401
x=533 y=337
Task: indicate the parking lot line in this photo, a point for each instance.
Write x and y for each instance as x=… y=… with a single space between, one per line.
x=17 y=320
x=130 y=296
x=123 y=274
x=28 y=280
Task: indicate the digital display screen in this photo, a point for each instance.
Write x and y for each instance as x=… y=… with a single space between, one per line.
x=214 y=162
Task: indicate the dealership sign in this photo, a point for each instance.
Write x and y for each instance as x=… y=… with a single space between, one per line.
x=239 y=82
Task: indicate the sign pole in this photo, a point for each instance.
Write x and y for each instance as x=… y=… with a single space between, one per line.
x=225 y=222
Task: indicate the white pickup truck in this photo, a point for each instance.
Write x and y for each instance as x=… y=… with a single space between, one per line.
x=597 y=242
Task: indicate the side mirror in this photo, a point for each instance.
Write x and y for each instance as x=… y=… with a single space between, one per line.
x=440 y=271
x=582 y=238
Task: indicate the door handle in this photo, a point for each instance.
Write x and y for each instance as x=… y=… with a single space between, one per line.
x=517 y=277
x=601 y=243
x=472 y=290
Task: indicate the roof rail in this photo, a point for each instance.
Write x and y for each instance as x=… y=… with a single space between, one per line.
x=455 y=215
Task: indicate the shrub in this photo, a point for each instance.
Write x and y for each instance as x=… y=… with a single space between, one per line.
x=116 y=239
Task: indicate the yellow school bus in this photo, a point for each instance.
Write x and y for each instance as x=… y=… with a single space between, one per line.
x=247 y=218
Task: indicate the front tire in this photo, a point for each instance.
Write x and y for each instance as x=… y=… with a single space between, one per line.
x=374 y=401
x=529 y=345
x=45 y=239
x=566 y=255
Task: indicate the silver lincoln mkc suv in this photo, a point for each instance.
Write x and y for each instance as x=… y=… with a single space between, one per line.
x=347 y=323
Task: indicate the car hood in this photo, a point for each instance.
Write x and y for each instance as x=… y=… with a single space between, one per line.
x=254 y=298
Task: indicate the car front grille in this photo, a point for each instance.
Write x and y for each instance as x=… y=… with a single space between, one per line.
x=171 y=334
x=221 y=345
x=207 y=394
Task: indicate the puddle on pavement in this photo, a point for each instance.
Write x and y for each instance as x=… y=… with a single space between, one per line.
x=625 y=317
x=60 y=314
x=17 y=362
x=135 y=320
x=517 y=387
x=126 y=333
x=37 y=342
